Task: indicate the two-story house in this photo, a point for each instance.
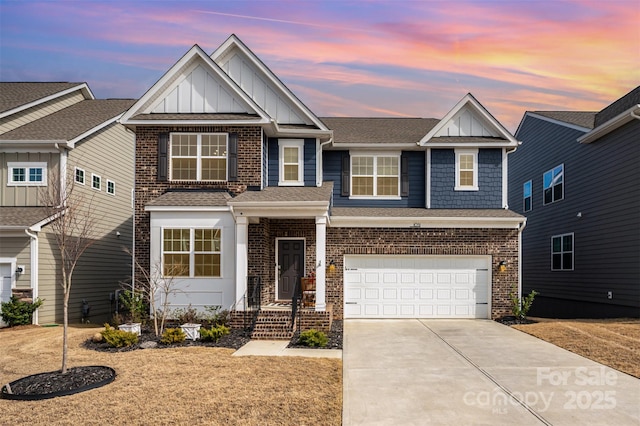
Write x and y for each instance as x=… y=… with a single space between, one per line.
x=55 y=135
x=239 y=184
x=576 y=179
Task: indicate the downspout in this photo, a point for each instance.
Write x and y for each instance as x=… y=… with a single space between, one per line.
x=520 y=229
x=319 y=162
x=33 y=244
x=63 y=173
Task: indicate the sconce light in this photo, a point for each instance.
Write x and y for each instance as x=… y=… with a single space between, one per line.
x=502 y=266
x=332 y=266
x=118 y=234
x=19 y=270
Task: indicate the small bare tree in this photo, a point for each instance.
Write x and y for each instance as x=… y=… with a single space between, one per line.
x=73 y=226
x=156 y=286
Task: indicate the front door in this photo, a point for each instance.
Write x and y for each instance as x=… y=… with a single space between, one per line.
x=290 y=267
x=5 y=285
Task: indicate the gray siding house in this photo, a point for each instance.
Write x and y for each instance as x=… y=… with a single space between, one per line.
x=53 y=134
x=576 y=179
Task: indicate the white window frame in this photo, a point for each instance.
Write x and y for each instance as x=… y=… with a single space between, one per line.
x=290 y=143
x=544 y=203
x=474 y=153
x=562 y=251
x=93 y=176
x=114 y=187
x=27 y=166
x=75 y=175
x=199 y=156
x=192 y=252
x=530 y=197
x=375 y=156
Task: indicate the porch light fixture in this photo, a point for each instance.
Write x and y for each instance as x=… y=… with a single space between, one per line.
x=332 y=266
x=502 y=266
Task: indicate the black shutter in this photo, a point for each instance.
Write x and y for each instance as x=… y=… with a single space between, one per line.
x=404 y=176
x=233 y=157
x=346 y=175
x=163 y=149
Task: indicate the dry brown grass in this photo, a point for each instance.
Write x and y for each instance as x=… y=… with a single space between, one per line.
x=612 y=342
x=182 y=386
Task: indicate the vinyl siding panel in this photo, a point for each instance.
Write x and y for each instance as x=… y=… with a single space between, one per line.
x=25 y=196
x=602 y=182
x=30 y=114
x=309 y=162
x=443 y=181
x=273 y=161
x=20 y=249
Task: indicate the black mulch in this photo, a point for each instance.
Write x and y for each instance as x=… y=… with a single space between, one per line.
x=511 y=320
x=335 y=338
x=54 y=383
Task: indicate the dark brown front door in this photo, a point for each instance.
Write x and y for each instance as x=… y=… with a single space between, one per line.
x=290 y=267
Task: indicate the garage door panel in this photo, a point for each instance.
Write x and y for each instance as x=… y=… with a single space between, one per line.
x=416 y=286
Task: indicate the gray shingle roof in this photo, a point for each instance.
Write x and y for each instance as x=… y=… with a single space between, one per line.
x=192 y=198
x=203 y=116
x=379 y=130
x=21 y=216
x=579 y=118
x=296 y=194
x=14 y=95
x=618 y=107
x=70 y=122
x=419 y=212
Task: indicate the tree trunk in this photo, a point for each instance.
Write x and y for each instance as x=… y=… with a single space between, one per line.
x=65 y=326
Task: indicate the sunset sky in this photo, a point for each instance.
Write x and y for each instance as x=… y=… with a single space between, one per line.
x=346 y=58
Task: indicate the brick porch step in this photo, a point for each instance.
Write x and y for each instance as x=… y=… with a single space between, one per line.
x=273 y=325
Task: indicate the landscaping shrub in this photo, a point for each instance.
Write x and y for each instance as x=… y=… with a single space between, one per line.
x=214 y=333
x=313 y=338
x=173 y=335
x=520 y=306
x=118 y=338
x=186 y=316
x=17 y=312
x=214 y=316
x=134 y=306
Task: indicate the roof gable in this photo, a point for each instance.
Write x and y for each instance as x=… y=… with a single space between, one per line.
x=468 y=118
x=195 y=84
x=262 y=85
x=19 y=96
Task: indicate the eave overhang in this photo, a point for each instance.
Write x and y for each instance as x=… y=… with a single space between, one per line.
x=611 y=125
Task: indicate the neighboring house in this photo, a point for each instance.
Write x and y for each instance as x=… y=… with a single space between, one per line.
x=576 y=178
x=48 y=132
x=239 y=183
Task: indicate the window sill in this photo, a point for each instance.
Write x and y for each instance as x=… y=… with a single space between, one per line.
x=367 y=197
x=26 y=184
x=466 y=188
x=290 y=183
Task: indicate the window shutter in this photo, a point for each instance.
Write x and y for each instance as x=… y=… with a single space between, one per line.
x=233 y=157
x=346 y=175
x=404 y=176
x=163 y=149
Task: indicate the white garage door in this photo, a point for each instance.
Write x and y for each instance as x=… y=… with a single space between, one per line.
x=416 y=286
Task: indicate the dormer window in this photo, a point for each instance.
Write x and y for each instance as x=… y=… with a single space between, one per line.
x=291 y=164
x=466 y=170
x=201 y=157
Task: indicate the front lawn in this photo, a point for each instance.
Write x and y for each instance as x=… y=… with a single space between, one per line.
x=190 y=385
x=612 y=342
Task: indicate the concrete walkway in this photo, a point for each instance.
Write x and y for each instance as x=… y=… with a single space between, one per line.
x=279 y=348
x=475 y=372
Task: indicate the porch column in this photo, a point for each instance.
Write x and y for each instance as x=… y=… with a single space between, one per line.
x=242 y=265
x=321 y=263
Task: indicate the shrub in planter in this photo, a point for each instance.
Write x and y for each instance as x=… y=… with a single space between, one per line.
x=118 y=338
x=186 y=316
x=17 y=312
x=313 y=338
x=173 y=335
x=214 y=333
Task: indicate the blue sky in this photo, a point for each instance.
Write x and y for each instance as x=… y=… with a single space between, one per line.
x=346 y=58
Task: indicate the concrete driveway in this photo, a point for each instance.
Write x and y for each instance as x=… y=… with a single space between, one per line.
x=475 y=372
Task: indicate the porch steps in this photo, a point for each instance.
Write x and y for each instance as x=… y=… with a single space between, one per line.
x=273 y=325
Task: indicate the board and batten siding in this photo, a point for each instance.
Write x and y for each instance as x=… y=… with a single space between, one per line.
x=31 y=114
x=443 y=181
x=22 y=195
x=600 y=207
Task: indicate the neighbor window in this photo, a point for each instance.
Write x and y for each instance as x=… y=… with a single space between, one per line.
x=27 y=174
x=375 y=175
x=111 y=187
x=96 y=182
x=79 y=176
x=526 y=196
x=466 y=170
x=291 y=162
x=188 y=252
x=562 y=252
x=199 y=156
x=553 y=185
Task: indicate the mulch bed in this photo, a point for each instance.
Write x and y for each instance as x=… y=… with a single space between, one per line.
x=510 y=320
x=335 y=338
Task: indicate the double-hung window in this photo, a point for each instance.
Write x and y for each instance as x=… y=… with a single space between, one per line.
x=189 y=252
x=96 y=182
x=111 y=187
x=466 y=170
x=553 y=185
x=79 y=175
x=201 y=157
x=291 y=165
x=562 y=252
x=27 y=174
x=526 y=196
x=375 y=176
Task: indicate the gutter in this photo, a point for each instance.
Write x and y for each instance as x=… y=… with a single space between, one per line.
x=34 y=269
